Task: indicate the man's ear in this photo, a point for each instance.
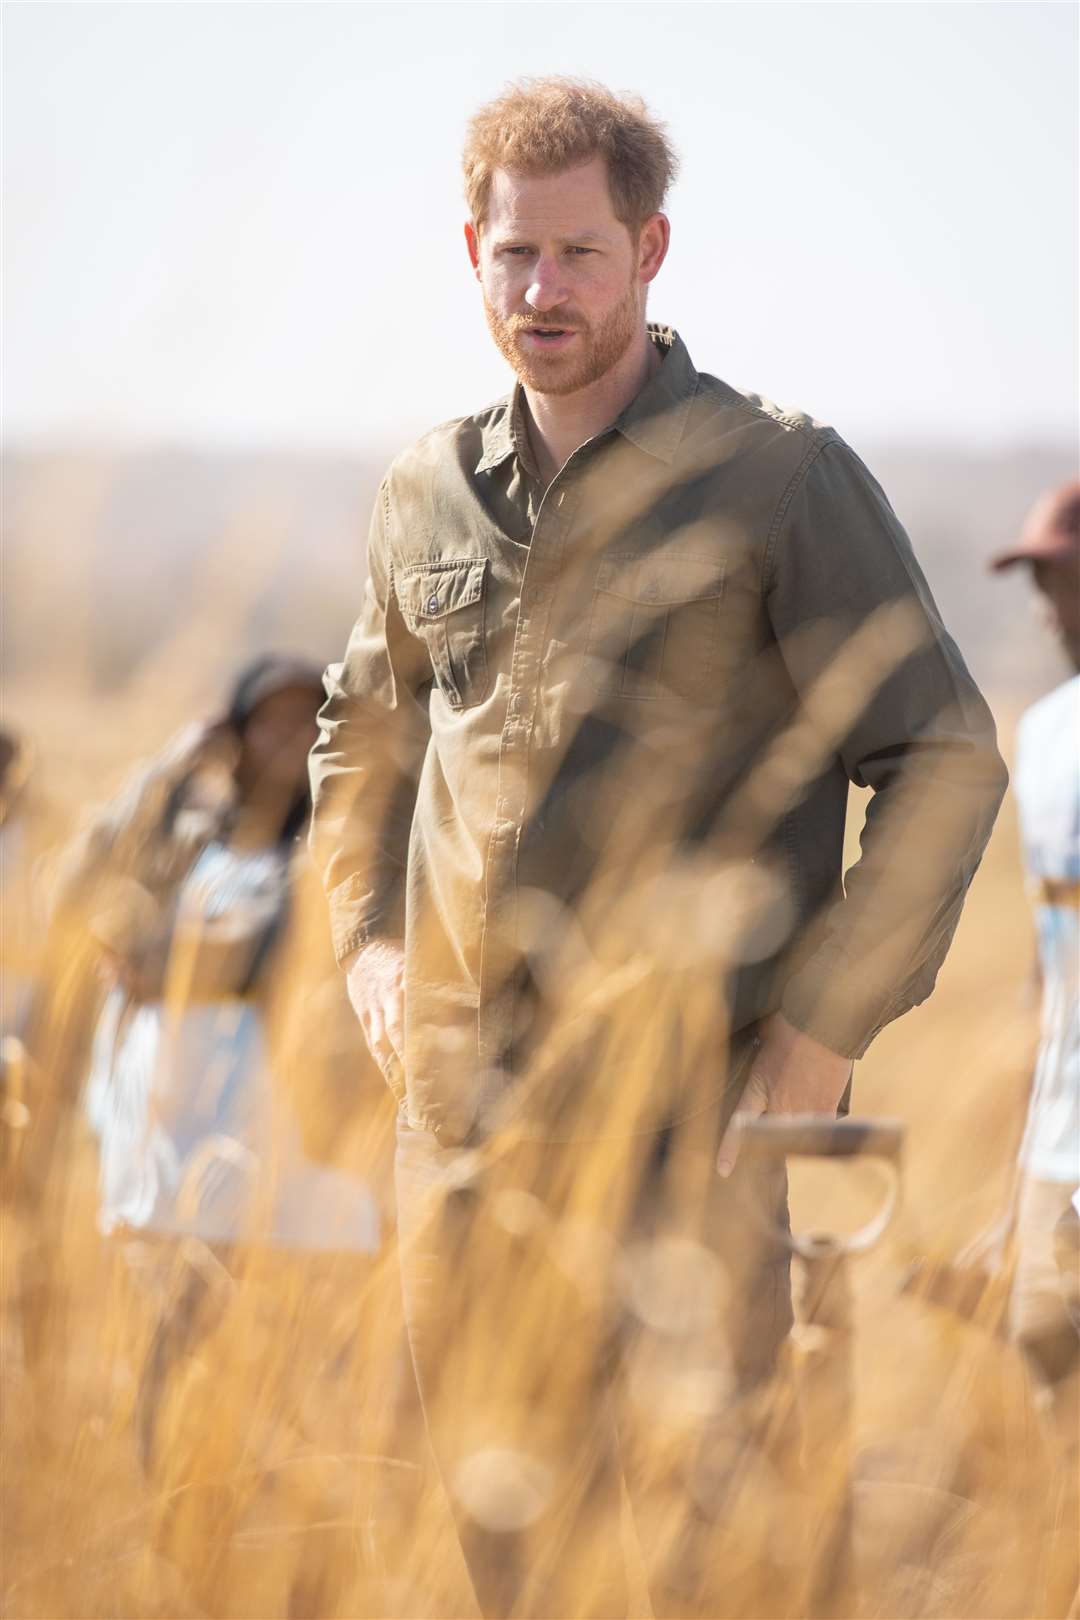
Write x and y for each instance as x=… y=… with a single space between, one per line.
x=472 y=242
x=653 y=245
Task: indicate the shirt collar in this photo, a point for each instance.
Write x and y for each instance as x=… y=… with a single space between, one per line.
x=654 y=420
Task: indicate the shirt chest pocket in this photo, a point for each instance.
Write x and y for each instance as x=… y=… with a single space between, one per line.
x=443 y=605
x=654 y=626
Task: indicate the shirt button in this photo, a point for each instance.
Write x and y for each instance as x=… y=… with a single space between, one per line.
x=433 y=604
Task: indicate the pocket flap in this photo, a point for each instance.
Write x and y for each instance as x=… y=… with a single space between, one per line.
x=432 y=590
x=665 y=581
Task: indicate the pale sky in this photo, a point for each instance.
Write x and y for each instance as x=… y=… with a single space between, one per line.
x=241 y=224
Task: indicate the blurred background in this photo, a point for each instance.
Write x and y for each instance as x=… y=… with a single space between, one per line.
x=235 y=284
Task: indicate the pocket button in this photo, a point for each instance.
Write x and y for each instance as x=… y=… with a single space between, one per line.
x=433 y=604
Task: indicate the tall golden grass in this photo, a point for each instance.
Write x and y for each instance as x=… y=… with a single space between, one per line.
x=291 y=1475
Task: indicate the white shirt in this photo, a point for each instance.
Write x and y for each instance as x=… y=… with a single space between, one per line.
x=1047 y=786
x=192 y=1137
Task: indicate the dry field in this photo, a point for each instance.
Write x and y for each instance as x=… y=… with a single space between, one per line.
x=292 y=1477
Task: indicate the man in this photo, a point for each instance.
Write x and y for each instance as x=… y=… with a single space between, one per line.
x=1048 y=794
x=579 y=807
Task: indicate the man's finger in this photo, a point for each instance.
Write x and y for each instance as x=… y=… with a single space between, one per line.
x=373 y=1035
x=755 y=1101
x=388 y=1060
x=394 y=1027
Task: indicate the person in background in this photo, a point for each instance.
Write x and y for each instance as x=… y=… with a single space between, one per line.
x=1047 y=786
x=20 y=949
x=180 y=1089
x=20 y=916
x=1046 y=780
x=210 y=1062
x=40 y=1017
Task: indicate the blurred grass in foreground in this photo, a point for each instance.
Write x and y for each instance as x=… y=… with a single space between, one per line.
x=294 y=1478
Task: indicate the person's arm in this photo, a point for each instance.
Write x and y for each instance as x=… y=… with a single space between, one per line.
x=921 y=737
x=115 y=880
x=883 y=685
x=374 y=732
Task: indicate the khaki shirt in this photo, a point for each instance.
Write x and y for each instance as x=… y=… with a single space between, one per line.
x=589 y=749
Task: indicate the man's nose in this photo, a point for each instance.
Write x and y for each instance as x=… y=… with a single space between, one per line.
x=546 y=290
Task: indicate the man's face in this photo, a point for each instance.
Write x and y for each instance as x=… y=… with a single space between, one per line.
x=1059 y=582
x=563 y=280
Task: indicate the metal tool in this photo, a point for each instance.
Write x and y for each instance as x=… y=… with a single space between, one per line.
x=827 y=1317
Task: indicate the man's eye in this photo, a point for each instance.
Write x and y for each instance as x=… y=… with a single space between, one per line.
x=580 y=250
x=517 y=250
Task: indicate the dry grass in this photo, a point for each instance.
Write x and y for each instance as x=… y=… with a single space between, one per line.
x=292 y=1476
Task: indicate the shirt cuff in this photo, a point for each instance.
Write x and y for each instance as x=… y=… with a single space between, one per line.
x=348 y=938
x=359 y=915
x=829 y=1000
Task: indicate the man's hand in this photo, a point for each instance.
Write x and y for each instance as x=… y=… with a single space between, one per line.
x=792 y=1074
x=376 y=982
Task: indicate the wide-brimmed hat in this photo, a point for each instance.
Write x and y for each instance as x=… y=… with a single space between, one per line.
x=1051 y=532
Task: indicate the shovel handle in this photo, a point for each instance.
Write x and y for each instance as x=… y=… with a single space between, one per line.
x=815 y=1136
